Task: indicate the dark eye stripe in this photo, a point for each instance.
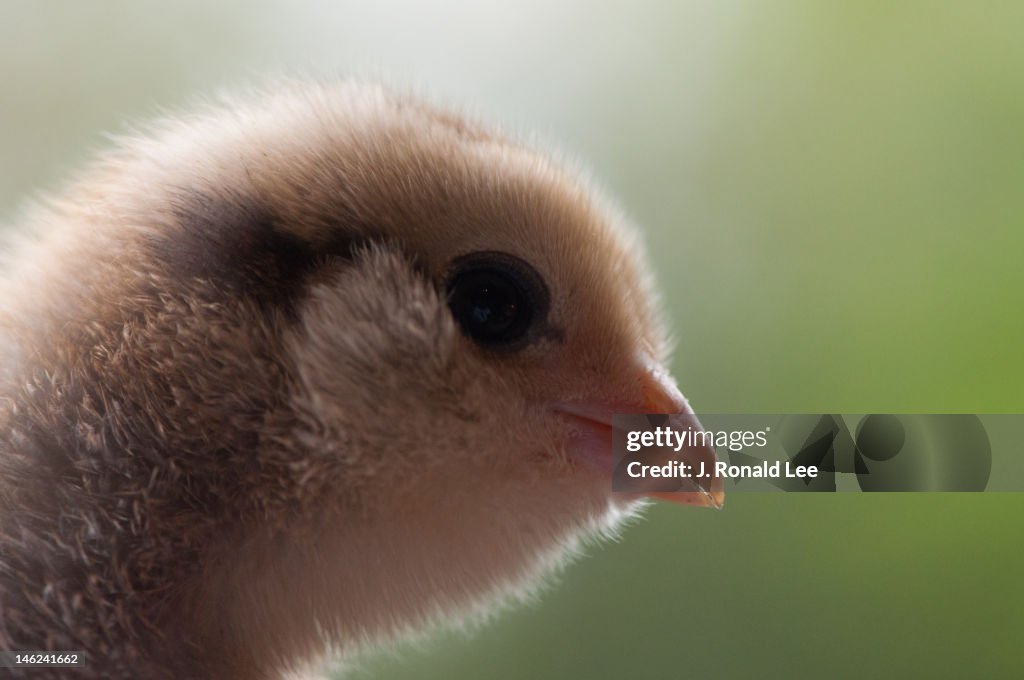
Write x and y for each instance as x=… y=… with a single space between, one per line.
x=240 y=247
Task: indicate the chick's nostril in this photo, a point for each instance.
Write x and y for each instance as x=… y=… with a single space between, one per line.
x=660 y=394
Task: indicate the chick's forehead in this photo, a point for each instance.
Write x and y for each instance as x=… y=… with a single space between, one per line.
x=475 y=195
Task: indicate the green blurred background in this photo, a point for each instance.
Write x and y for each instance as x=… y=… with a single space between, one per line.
x=833 y=194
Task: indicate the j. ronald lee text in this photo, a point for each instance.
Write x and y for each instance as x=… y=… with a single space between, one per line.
x=678 y=469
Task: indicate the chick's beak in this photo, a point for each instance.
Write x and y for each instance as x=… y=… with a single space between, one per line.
x=592 y=442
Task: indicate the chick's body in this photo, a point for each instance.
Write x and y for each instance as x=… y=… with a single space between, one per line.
x=242 y=422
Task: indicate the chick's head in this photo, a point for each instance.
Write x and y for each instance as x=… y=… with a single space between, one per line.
x=451 y=316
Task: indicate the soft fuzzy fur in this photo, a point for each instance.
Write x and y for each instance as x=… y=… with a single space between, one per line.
x=238 y=425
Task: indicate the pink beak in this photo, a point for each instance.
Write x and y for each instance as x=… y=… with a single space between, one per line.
x=593 y=441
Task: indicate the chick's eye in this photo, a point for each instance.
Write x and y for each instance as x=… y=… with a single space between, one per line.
x=497 y=299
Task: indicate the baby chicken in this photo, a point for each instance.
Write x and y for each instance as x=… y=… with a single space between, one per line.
x=315 y=367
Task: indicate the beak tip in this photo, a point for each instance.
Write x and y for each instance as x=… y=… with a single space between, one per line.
x=714 y=499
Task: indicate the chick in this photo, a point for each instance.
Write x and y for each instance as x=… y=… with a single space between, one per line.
x=313 y=367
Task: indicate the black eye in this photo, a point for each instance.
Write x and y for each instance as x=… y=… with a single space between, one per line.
x=496 y=298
